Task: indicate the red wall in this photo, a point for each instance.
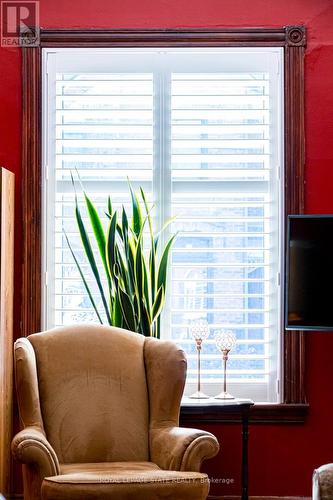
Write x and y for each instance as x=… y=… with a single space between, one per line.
x=282 y=457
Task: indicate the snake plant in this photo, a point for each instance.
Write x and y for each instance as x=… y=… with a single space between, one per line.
x=134 y=285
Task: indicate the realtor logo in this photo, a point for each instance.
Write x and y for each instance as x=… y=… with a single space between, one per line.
x=19 y=24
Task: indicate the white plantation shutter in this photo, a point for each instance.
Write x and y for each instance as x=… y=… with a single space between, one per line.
x=200 y=131
x=224 y=262
x=102 y=128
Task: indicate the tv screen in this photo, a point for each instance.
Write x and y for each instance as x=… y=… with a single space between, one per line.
x=309 y=273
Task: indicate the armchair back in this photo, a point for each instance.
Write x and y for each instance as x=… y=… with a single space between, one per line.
x=93 y=393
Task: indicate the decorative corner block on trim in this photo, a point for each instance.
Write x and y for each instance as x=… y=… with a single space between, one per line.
x=295 y=36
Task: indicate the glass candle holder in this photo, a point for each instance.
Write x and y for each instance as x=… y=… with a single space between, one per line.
x=225 y=341
x=199 y=332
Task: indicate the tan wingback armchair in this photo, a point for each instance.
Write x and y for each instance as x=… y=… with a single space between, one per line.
x=100 y=411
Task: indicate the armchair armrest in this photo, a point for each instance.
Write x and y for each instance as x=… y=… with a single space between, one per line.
x=180 y=448
x=31 y=447
x=322 y=482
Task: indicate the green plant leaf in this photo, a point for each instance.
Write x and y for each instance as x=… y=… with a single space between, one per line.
x=152 y=255
x=84 y=280
x=90 y=256
x=158 y=327
x=119 y=230
x=111 y=244
x=152 y=268
x=156 y=240
x=124 y=222
x=122 y=270
x=127 y=251
x=146 y=287
x=131 y=263
x=158 y=304
x=127 y=310
x=97 y=227
x=117 y=316
x=145 y=320
x=136 y=307
x=139 y=277
x=109 y=206
x=136 y=213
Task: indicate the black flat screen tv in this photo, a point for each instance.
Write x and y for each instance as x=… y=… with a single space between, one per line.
x=309 y=273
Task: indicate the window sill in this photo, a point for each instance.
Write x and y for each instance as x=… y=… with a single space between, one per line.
x=260 y=413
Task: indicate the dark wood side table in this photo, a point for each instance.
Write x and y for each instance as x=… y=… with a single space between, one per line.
x=192 y=409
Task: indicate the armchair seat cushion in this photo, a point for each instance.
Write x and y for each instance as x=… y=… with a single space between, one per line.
x=124 y=481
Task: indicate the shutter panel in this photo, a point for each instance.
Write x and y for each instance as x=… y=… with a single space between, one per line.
x=226 y=256
x=104 y=131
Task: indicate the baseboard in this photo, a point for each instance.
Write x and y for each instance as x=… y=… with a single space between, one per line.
x=210 y=497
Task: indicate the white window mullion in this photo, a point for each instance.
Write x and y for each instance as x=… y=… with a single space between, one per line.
x=162 y=168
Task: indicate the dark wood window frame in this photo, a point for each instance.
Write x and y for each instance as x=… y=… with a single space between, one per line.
x=293 y=40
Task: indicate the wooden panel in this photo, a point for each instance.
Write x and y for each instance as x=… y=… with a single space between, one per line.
x=31 y=191
x=6 y=324
x=294 y=341
x=191 y=37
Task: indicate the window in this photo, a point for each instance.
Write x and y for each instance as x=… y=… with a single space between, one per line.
x=291 y=40
x=201 y=130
